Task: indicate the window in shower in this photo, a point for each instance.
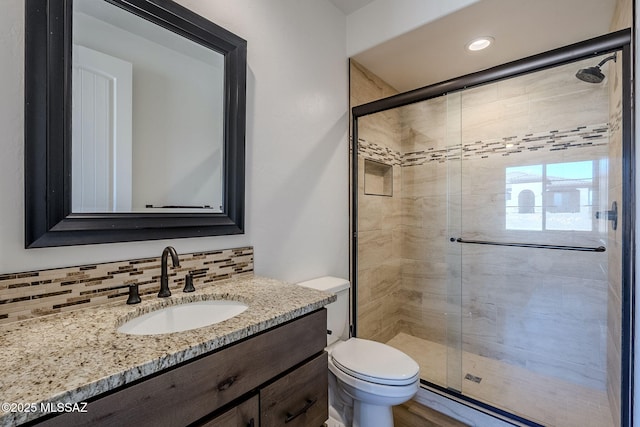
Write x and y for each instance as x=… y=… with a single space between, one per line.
x=555 y=196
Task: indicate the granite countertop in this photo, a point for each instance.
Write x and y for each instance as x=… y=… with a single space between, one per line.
x=71 y=357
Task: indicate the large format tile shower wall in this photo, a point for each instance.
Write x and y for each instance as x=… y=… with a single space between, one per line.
x=541 y=309
x=614 y=246
x=379 y=262
x=37 y=293
x=622 y=19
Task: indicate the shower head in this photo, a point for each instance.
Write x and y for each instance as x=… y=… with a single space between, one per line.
x=590 y=75
x=594 y=74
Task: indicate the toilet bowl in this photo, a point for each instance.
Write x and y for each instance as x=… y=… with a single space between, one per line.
x=376 y=376
x=366 y=378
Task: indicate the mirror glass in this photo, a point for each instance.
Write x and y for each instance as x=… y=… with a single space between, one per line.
x=147 y=121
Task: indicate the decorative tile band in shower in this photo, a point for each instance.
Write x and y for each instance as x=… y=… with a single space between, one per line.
x=37 y=293
x=373 y=151
x=555 y=140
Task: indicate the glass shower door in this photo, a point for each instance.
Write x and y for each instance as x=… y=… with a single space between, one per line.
x=454 y=314
x=467 y=203
x=534 y=270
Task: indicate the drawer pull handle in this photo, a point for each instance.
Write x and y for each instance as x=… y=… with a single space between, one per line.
x=226 y=383
x=252 y=423
x=305 y=408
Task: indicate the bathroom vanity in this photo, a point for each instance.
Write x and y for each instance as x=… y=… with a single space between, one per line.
x=264 y=367
x=197 y=389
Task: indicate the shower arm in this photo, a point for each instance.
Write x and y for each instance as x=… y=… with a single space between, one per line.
x=608 y=58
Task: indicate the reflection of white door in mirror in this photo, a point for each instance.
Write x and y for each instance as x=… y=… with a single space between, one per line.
x=177 y=116
x=101 y=132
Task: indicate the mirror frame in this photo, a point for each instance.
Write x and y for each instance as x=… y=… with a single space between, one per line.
x=48 y=217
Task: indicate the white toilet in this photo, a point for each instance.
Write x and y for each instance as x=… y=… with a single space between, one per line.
x=366 y=378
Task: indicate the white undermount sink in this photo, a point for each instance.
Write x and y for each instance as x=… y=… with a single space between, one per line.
x=183 y=317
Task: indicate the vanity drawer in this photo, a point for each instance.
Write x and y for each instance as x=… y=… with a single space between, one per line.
x=246 y=414
x=188 y=393
x=299 y=399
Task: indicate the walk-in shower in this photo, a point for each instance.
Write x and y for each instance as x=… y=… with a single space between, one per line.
x=484 y=239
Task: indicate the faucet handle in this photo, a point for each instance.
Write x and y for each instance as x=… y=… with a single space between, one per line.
x=188 y=283
x=134 y=296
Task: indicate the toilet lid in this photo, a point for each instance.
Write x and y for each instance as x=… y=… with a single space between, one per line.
x=375 y=362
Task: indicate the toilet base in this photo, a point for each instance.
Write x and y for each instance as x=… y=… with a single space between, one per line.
x=367 y=415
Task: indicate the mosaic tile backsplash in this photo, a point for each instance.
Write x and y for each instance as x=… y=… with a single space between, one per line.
x=38 y=293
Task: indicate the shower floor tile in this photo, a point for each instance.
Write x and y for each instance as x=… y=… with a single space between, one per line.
x=539 y=398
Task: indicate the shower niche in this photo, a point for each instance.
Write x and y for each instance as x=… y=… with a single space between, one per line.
x=495 y=267
x=378 y=178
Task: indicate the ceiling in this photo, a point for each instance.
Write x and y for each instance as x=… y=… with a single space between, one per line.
x=436 y=52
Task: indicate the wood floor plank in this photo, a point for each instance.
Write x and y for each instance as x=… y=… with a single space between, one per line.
x=413 y=414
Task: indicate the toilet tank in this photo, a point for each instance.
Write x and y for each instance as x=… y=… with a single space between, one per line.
x=338 y=311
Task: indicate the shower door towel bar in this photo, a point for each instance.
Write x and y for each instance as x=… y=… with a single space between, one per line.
x=532 y=245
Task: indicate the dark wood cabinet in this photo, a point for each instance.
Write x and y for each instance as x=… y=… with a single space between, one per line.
x=280 y=371
x=299 y=399
x=245 y=414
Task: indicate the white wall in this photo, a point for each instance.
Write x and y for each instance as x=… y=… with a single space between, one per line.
x=383 y=20
x=297 y=156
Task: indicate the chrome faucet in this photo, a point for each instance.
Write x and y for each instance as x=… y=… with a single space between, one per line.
x=164 y=279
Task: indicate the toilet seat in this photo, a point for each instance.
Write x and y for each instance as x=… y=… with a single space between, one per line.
x=375 y=362
x=370 y=392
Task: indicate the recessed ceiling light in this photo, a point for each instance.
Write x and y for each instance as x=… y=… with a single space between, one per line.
x=479 y=43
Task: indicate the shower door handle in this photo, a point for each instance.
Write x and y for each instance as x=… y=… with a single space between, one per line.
x=611 y=215
x=531 y=245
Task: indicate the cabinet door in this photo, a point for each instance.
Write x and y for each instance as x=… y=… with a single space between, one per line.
x=299 y=399
x=246 y=414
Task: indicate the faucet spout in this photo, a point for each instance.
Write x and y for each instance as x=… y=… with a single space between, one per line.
x=164 y=278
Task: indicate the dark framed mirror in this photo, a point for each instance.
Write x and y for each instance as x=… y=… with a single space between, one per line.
x=58 y=212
